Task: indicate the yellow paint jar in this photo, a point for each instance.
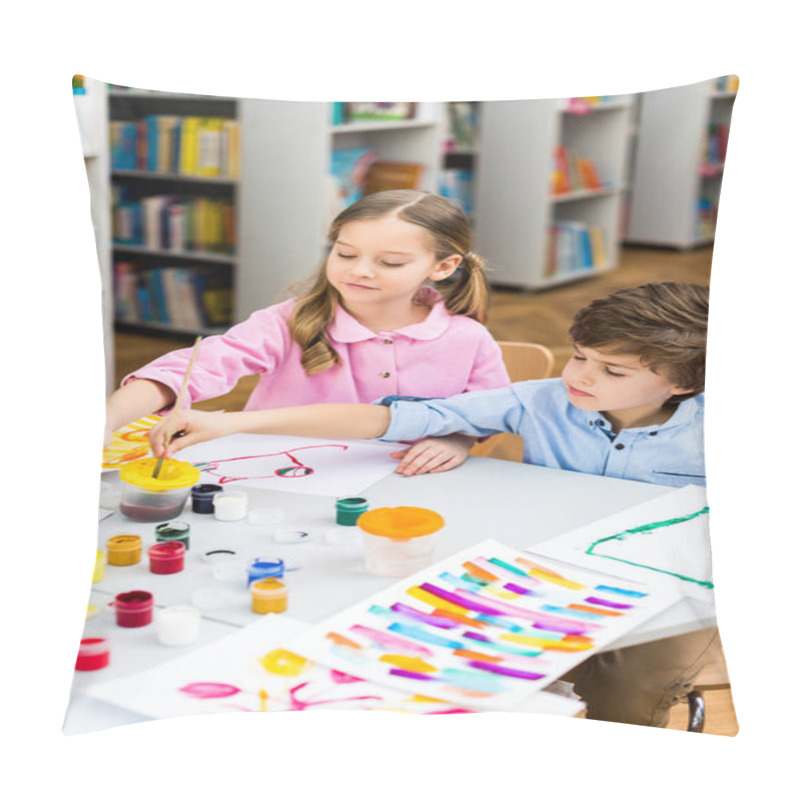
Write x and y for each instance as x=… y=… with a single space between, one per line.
x=124 y=550
x=99 y=567
x=269 y=596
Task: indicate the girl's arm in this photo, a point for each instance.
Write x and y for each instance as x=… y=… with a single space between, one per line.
x=134 y=400
x=324 y=421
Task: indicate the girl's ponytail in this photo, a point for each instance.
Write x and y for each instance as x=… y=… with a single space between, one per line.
x=468 y=294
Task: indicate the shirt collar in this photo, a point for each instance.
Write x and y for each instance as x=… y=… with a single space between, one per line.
x=683 y=415
x=346 y=329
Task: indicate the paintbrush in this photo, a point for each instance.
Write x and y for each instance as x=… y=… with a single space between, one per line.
x=176 y=407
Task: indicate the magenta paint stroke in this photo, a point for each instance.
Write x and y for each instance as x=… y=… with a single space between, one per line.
x=295 y=468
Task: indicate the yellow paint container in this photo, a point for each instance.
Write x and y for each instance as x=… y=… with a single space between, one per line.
x=269 y=596
x=124 y=550
x=99 y=567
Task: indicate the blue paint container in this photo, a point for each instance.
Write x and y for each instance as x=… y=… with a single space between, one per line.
x=264 y=569
x=349 y=509
x=203 y=497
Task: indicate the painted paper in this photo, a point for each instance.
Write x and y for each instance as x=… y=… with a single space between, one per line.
x=254 y=669
x=663 y=542
x=487 y=628
x=293 y=463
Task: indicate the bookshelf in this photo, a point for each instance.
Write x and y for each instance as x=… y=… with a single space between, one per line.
x=538 y=230
x=680 y=150
x=280 y=199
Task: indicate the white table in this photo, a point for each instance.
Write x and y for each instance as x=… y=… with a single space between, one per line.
x=517 y=504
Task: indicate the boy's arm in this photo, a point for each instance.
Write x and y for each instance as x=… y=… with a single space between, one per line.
x=324 y=421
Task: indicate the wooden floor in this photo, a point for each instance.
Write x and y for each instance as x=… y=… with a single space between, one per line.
x=542 y=317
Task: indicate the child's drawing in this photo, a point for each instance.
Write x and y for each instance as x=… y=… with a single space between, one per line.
x=129 y=443
x=302 y=464
x=486 y=629
x=241 y=468
x=664 y=541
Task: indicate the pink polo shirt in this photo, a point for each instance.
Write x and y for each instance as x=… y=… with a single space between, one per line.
x=444 y=355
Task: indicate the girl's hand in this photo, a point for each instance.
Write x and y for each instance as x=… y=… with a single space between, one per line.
x=187 y=428
x=434 y=455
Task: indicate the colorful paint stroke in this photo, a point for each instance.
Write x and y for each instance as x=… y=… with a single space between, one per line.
x=129 y=443
x=253 y=670
x=486 y=628
x=664 y=541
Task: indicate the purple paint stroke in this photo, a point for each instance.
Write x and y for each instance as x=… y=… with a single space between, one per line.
x=407 y=673
x=421 y=616
x=598 y=601
x=389 y=640
x=497 y=669
x=459 y=599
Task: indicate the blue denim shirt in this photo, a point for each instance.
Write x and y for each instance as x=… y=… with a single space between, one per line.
x=557 y=434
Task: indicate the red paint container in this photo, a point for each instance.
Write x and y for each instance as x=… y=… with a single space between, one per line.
x=93 y=654
x=134 y=609
x=166 y=558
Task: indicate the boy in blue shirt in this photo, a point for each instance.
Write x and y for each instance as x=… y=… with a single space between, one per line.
x=628 y=404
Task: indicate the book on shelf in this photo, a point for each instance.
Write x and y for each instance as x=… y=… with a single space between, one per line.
x=458 y=185
x=348 y=170
x=574 y=247
x=463 y=126
x=571 y=173
x=716 y=145
x=177 y=223
x=182 y=297
x=384 y=176
x=177 y=145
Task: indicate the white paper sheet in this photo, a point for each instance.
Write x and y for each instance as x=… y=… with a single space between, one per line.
x=230 y=675
x=538 y=627
x=293 y=463
x=663 y=542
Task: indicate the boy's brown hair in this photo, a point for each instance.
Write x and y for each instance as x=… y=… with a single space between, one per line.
x=665 y=324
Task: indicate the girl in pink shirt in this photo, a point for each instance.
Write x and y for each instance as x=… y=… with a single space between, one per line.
x=369 y=325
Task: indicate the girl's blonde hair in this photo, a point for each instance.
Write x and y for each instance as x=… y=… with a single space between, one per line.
x=466 y=293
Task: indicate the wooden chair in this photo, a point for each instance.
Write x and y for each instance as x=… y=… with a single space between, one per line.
x=524 y=362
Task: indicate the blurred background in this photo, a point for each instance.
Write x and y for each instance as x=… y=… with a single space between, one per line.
x=206 y=208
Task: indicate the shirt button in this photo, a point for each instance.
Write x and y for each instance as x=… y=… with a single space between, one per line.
x=601 y=423
x=619 y=446
x=387 y=341
x=385 y=374
x=653 y=433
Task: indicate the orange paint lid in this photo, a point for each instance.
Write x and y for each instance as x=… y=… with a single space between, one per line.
x=402 y=522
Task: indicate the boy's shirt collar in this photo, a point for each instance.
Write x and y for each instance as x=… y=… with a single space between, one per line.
x=346 y=329
x=684 y=414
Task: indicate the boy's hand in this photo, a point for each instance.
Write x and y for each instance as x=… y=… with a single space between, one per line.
x=193 y=427
x=434 y=455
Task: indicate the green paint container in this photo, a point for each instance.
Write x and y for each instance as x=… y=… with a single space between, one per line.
x=173 y=532
x=349 y=509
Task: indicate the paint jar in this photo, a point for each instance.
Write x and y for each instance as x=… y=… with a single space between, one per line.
x=349 y=509
x=203 y=497
x=124 y=550
x=149 y=499
x=177 y=625
x=230 y=506
x=166 y=558
x=173 y=532
x=269 y=596
x=399 y=541
x=268 y=519
x=92 y=654
x=261 y=568
x=99 y=571
x=134 y=609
